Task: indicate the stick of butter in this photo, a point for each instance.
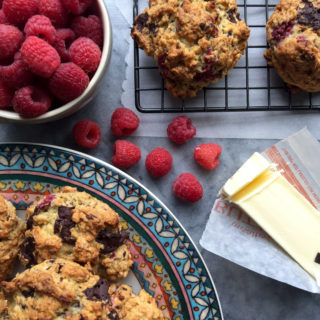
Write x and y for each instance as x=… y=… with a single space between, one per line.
x=268 y=198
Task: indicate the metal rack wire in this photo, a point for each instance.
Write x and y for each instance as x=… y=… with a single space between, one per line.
x=251 y=86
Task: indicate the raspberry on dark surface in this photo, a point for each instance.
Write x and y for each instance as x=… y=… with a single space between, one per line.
x=54 y=10
x=123 y=122
x=125 y=154
x=64 y=38
x=19 y=11
x=207 y=155
x=187 y=187
x=6 y=95
x=16 y=74
x=40 y=26
x=41 y=58
x=68 y=82
x=180 y=130
x=31 y=101
x=159 y=162
x=77 y=7
x=87 y=133
x=90 y=27
x=283 y=30
x=85 y=53
x=10 y=40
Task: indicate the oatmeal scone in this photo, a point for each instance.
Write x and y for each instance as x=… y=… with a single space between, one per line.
x=293 y=33
x=194 y=42
x=58 y=289
x=76 y=226
x=11 y=237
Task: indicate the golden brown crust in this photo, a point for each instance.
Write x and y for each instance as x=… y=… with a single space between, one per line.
x=75 y=226
x=11 y=237
x=293 y=33
x=194 y=42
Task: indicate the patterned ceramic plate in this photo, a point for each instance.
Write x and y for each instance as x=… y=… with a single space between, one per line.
x=166 y=262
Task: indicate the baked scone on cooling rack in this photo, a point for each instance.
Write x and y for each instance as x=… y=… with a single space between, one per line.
x=293 y=34
x=11 y=237
x=58 y=289
x=194 y=42
x=76 y=226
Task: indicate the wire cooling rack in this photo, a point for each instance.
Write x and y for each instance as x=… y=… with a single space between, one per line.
x=251 y=86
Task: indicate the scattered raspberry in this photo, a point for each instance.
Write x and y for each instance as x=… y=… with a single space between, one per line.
x=159 y=162
x=87 y=133
x=3 y=18
x=19 y=11
x=68 y=82
x=41 y=58
x=124 y=122
x=180 y=130
x=126 y=154
x=77 y=6
x=10 y=40
x=64 y=38
x=31 y=101
x=90 y=27
x=16 y=74
x=6 y=95
x=187 y=187
x=85 y=53
x=54 y=10
x=207 y=155
x=41 y=27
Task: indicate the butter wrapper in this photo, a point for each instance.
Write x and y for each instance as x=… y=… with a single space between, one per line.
x=233 y=235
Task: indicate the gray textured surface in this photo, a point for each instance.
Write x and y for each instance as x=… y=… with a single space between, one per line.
x=244 y=295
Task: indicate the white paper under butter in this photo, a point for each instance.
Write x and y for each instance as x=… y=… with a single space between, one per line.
x=232 y=234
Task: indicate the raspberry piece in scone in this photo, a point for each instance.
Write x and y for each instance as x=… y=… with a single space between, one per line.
x=123 y=122
x=10 y=40
x=87 y=133
x=159 y=162
x=68 y=82
x=77 y=6
x=6 y=95
x=85 y=53
x=19 y=11
x=40 y=26
x=54 y=10
x=125 y=154
x=31 y=101
x=187 y=187
x=41 y=58
x=90 y=27
x=64 y=38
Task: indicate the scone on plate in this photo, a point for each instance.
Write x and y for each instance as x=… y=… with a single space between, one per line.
x=293 y=35
x=11 y=237
x=194 y=42
x=76 y=226
x=58 y=289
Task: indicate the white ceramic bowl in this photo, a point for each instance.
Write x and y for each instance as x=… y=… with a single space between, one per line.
x=78 y=103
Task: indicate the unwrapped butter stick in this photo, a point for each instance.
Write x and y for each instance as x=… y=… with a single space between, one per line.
x=268 y=198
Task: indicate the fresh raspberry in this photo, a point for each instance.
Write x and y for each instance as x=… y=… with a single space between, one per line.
x=3 y=18
x=41 y=27
x=187 y=187
x=180 y=130
x=125 y=154
x=10 y=40
x=16 y=74
x=123 y=122
x=54 y=10
x=207 y=155
x=31 y=101
x=6 y=95
x=87 y=133
x=68 y=82
x=41 y=58
x=159 y=162
x=19 y=11
x=77 y=6
x=90 y=27
x=64 y=38
x=85 y=53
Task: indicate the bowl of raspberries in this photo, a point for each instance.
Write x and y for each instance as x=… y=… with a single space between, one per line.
x=53 y=55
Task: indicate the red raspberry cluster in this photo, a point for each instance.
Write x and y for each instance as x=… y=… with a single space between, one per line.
x=49 y=50
x=159 y=161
